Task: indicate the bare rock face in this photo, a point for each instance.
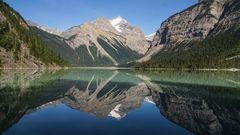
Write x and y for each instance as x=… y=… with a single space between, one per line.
x=117 y=38
x=101 y=42
x=88 y=33
x=199 y=21
x=230 y=17
x=135 y=37
x=203 y=20
x=195 y=22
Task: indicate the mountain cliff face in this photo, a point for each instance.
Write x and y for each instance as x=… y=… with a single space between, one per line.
x=19 y=47
x=195 y=22
x=134 y=36
x=230 y=17
x=103 y=42
x=198 y=33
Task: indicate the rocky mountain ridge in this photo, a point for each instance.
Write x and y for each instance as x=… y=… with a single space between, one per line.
x=101 y=42
x=184 y=39
x=44 y=28
x=196 y=22
x=134 y=35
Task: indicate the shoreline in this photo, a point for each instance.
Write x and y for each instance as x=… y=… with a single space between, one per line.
x=125 y=68
x=186 y=69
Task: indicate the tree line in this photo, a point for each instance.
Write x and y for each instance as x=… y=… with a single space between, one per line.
x=216 y=51
x=14 y=32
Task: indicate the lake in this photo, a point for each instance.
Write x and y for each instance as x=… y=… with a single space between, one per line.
x=119 y=102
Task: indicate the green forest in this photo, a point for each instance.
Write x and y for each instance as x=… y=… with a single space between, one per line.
x=216 y=51
x=13 y=33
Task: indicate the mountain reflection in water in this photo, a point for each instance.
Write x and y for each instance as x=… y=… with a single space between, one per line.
x=204 y=103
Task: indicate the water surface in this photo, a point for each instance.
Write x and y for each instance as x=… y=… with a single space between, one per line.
x=119 y=102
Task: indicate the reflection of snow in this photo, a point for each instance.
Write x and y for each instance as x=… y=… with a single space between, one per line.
x=149 y=100
x=232 y=81
x=116 y=113
x=52 y=103
x=234 y=57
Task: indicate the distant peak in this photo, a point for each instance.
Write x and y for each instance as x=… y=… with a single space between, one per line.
x=102 y=18
x=150 y=36
x=120 y=18
x=44 y=28
x=31 y=23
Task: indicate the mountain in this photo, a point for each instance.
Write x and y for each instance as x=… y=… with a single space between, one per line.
x=19 y=47
x=118 y=22
x=134 y=35
x=150 y=37
x=58 y=45
x=203 y=36
x=106 y=43
x=44 y=28
x=52 y=38
x=101 y=42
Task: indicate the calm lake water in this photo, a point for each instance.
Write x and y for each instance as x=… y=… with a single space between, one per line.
x=119 y=102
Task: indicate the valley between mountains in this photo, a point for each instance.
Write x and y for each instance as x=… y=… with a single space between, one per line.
x=205 y=35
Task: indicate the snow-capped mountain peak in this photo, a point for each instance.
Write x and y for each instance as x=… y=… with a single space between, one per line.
x=117 y=22
x=135 y=37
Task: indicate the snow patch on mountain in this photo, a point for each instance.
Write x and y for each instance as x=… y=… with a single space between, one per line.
x=135 y=37
x=150 y=36
x=117 y=22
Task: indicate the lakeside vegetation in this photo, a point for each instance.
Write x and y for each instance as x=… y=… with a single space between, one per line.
x=219 y=51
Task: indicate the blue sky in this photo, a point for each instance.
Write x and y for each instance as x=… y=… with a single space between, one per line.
x=63 y=14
